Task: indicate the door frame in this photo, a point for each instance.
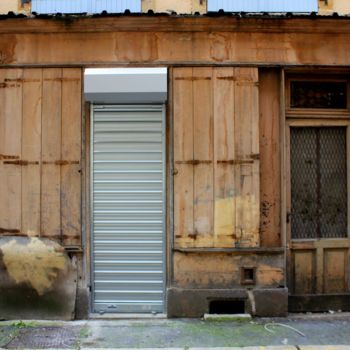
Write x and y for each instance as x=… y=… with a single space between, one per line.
x=299 y=117
x=318 y=244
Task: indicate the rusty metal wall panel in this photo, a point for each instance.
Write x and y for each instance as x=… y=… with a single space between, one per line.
x=128 y=209
x=89 y=6
x=263 y=5
x=319 y=182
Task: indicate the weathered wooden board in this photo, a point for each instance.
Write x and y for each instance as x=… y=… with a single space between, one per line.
x=304 y=263
x=40 y=153
x=183 y=151
x=175 y=39
x=203 y=184
x=336 y=266
x=225 y=24
x=10 y=151
x=270 y=157
x=51 y=152
x=247 y=171
x=71 y=157
x=224 y=147
x=31 y=152
x=219 y=190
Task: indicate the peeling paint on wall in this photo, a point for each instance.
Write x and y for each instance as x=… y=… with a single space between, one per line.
x=242 y=230
x=327 y=7
x=223 y=270
x=39 y=264
x=224 y=216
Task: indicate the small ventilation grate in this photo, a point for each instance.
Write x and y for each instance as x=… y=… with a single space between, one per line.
x=248 y=275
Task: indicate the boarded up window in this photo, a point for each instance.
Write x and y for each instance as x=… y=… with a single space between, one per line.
x=319 y=182
x=216 y=157
x=40 y=153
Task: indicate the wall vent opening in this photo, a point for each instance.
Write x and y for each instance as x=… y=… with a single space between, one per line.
x=247 y=275
x=227 y=307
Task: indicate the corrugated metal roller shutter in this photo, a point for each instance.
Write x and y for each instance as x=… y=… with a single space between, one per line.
x=128 y=208
x=263 y=5
x=89 y=6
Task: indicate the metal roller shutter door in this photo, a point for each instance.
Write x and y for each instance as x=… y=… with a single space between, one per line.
x=128 y=254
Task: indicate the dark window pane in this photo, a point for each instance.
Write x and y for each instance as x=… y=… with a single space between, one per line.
x=319 y=182
x=314 y=94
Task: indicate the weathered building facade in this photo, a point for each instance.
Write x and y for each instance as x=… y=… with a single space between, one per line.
x=229 y=194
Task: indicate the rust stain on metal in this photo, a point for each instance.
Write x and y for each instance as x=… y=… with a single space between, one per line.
x=62 y=79
x=6 y=156
x=7 y=85
x=20 y=80
x=21 y=162
x=236 y=161
x=8 y=230
x=193 y=162
x=66 y=162
x=27 y=162
x=193 y=236
x=193 y=78
x=62 y=162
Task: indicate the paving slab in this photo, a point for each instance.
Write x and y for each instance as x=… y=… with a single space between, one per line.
x=179 y=334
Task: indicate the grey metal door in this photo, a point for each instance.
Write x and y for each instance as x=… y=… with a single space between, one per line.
x=128 y=208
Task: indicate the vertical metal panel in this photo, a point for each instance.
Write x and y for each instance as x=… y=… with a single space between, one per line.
x=128 y=246
x=89 y=6
x=263 y=5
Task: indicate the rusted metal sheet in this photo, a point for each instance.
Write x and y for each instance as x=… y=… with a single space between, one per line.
x=38 y=279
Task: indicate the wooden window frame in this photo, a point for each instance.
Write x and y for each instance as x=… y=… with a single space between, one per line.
x=317 y=112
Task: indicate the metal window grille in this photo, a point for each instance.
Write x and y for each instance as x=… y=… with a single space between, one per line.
x=318 y=182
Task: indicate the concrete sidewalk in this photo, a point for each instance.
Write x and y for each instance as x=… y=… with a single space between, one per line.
x=292 y=333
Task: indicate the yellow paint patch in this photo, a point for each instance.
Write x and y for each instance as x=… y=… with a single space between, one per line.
x=224 y=216
x=239 y=217
x=35 y=263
